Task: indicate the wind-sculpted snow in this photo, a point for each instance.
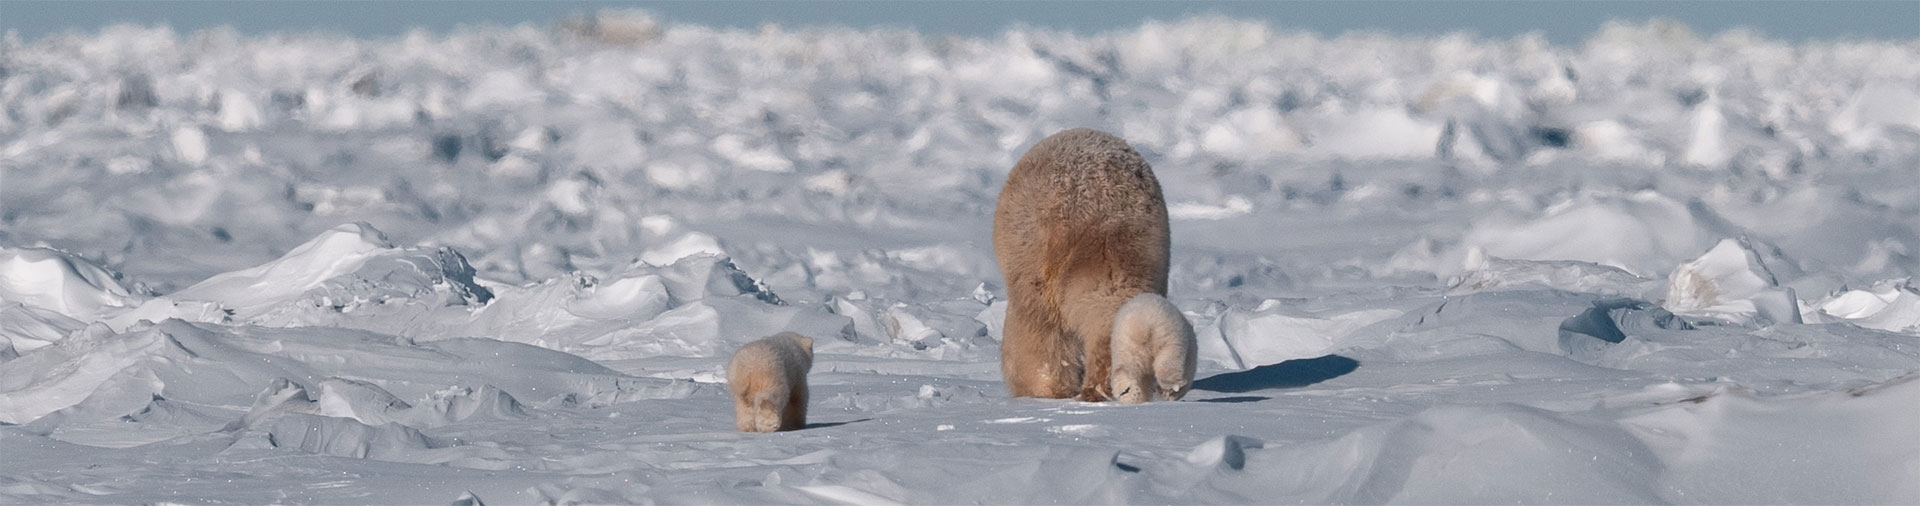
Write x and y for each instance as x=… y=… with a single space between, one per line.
x=99 y=375
x=506 y=265
x=540 y=151
x=61 y=282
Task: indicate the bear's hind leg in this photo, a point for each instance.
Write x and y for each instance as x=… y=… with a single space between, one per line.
x=766 y=411
x=1038 y=358
x=743 y=414
x=794 y=416
x=1091 y=316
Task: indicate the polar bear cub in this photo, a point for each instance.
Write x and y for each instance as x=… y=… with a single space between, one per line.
x=1153 y=351
x=768 y=379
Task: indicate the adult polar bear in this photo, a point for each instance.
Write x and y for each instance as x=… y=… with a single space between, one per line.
x=1080 y=229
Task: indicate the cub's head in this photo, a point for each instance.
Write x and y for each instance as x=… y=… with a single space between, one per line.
x=1131 y=387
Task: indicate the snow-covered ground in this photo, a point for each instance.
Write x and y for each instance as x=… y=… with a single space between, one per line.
x=507 y=265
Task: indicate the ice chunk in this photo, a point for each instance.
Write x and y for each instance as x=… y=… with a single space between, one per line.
x=1225 y=452
x=237 y=112
x=1730 y=283
x=190 y=145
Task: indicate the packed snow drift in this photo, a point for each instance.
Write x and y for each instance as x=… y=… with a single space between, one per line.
x=507 y=265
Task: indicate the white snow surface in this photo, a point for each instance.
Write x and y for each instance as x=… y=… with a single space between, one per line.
x=505 y=265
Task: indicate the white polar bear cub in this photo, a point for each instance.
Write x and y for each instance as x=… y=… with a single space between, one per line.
x=1153 y=351
x=768 y=379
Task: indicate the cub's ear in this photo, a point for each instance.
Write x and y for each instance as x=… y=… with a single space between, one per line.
x=805 y=342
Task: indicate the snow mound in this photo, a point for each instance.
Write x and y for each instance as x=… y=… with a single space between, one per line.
x=1636 y=336
x=699 y=306
x=347 y=268
x=952 y=329
x=1891 y=305
x=642 y=296
x=63 y=283
x=689 y=244
x=1476 y=324
x=1582 y=337
x=1642 y=233
x=978 y=473
x=1483 y=273
x=335 y=252
x=1735 y=431
x=1875 y=116
x=1508 y=453
x=355 y=419
x=1271 y=333
x=336 y=437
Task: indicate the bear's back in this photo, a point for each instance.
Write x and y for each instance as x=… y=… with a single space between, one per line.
x=787 y=356
x=1086 y=178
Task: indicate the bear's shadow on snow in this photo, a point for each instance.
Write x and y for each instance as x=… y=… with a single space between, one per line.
x=823 y=425
x=1235 y=399
x=1289 y=374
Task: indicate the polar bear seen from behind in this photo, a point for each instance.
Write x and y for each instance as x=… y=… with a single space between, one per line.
x=768 y=379
x=1153 y=351
x=1080 y=228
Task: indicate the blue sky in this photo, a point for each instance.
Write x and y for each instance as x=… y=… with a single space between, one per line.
x=1562 y=21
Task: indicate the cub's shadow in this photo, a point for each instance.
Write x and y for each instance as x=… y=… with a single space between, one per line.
x=1288 y=374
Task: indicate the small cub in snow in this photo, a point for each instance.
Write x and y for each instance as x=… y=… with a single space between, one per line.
x=768 y=378
x=1153 y=351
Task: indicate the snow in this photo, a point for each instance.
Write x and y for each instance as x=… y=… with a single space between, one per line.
x=60 y=282
x=505 y=265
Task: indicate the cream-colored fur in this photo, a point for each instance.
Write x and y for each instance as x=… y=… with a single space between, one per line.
x=1081 y=227
x=1153 y=351
x=768 y=378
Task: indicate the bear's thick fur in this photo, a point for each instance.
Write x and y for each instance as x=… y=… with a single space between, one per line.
x=768 y=378
x=1081 y=227
x=1153 y=351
